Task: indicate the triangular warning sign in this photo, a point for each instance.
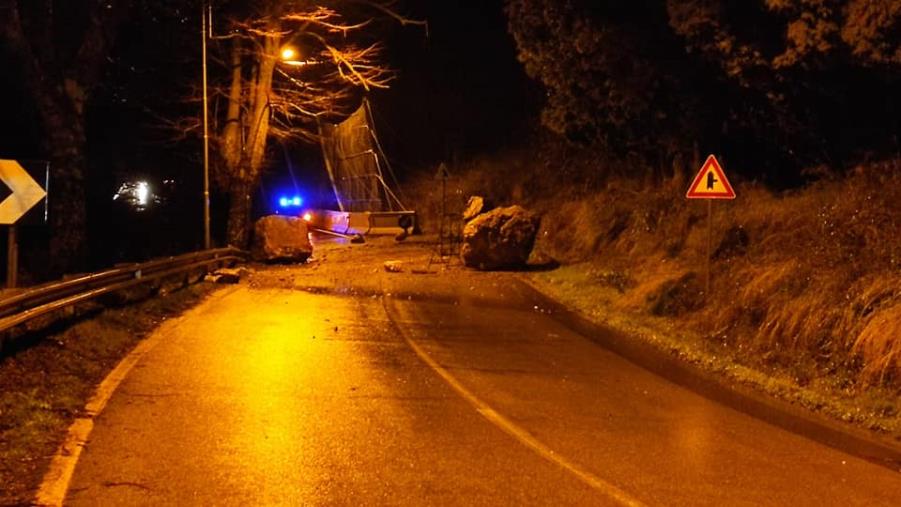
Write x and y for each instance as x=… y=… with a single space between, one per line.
x=711 y=182
x=442 y=173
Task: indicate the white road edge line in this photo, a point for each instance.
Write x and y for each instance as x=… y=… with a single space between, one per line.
x=521 y=434
x=55 y=484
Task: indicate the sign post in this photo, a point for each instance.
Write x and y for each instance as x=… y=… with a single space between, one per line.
x=12 y=258
x=443 y=174
x=710 y=183
x=26 y=193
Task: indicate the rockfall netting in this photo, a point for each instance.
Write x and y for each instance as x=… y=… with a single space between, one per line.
x=355 y=162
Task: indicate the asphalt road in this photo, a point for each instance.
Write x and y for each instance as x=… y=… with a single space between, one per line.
x=276 y=396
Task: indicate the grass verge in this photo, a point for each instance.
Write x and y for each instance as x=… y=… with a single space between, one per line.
x=47 y=378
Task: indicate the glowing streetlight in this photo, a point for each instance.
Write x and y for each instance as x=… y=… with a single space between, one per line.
x=289 y=56
x=289 y=53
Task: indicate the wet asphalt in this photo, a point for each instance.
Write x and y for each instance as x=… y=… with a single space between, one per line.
x=284 y=397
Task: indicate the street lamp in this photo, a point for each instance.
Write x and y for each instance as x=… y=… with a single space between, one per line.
x=288 y=53
x=289 y=56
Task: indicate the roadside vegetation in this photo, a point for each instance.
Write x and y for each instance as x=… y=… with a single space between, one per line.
x=48 y=376
x=806 y=283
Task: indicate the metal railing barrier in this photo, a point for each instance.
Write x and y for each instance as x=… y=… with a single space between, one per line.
x=43 y=299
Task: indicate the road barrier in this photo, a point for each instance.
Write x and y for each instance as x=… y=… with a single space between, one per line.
x=44 y=299
x=364 y=222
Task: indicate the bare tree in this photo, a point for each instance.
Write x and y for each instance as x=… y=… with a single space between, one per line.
x=292 y=65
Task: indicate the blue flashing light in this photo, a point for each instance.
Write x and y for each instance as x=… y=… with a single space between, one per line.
x=290 y=202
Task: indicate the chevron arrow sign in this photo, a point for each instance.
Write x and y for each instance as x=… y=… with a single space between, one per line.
x=25 y=192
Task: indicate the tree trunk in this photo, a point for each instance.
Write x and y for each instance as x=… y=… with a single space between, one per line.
x=239 y=204
x=65 y=145
x=232 y=134
x=244 y=154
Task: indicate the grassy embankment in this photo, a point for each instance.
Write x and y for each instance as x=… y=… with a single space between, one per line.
x=46 y=378
x=806 y=285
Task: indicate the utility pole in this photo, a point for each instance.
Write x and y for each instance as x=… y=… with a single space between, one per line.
x=206 y=22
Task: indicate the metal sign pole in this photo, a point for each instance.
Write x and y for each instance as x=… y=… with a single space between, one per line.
x=710 y=183
x=709 y=236
x=443 y=215
x=12 y=258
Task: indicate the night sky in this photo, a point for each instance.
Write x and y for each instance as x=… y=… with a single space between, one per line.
x=461 y=90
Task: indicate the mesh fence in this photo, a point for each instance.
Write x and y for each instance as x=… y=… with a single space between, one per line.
x=351 y=153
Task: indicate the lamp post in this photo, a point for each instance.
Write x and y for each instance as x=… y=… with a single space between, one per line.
x=205 y=22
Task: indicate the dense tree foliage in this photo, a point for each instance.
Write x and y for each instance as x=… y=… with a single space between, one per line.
x=777 y=83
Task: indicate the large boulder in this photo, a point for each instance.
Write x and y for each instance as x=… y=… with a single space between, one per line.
x=499 y=239
x=475 y=207
x=278 y=238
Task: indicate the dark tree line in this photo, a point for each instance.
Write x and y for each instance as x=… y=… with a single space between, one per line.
x=779 y=84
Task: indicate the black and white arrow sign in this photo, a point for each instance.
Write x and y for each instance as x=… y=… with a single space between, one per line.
x=25 y=192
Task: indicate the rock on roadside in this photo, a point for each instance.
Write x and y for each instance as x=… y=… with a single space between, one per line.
x=227 y=275
x=278 y=238
x=394 y=266
x=499 y=239
x=474 y=207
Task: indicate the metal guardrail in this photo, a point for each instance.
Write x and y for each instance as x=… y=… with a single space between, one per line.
x=41 y=300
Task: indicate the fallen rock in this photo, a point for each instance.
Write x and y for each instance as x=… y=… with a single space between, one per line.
x=394 y=266
x=278 y=238
x=475 y=207
x=220 y=278
x=227 y=275
x=499 y=239
x=233 y=275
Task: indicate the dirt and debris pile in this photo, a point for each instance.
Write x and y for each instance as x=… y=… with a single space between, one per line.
x=279 y=238
x=499 y=239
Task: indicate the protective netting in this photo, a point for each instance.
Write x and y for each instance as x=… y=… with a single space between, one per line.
x=354 y=161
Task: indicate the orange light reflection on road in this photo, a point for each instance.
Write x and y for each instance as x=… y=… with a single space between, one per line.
x=268 y=377
x=693 y=436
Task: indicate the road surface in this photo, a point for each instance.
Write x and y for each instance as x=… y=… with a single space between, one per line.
x=268 y=396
